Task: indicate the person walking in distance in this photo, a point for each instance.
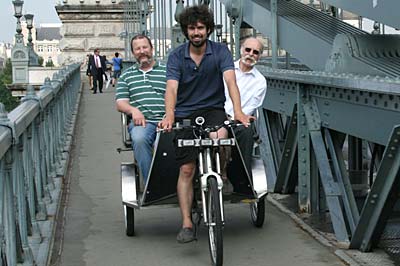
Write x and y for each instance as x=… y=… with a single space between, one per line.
x=117 y=66
x=97 y=67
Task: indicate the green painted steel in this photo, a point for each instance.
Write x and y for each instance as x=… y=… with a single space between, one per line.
x=33 y=154
x=333 y=111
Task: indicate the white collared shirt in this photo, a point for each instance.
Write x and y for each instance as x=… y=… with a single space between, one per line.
x=252 y=87
x=97 y=61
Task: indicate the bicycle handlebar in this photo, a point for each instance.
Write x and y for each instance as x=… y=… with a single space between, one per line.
x=199 y=126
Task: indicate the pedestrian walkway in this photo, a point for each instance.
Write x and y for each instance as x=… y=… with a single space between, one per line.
x=92 y=231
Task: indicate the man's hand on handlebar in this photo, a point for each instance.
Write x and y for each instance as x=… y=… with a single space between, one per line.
x=244 y=119
x=167 y=123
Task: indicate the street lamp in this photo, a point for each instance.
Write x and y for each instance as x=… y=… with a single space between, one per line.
x=218 y=31
x=18 y=14
x=29 y=25
x=18 y=7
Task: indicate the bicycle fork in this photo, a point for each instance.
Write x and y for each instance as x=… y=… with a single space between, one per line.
x=206 y=171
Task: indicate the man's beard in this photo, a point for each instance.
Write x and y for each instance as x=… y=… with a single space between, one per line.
x=197 y=44
x=248 y=57
x=144 y=62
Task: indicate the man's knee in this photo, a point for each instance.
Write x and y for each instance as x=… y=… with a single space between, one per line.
x=138 y=140
x=187 y=170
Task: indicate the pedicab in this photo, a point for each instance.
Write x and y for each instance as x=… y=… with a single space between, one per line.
x=209 y=197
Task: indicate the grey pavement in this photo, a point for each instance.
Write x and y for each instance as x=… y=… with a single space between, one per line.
x=92 y=231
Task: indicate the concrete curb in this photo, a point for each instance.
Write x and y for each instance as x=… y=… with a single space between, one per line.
x=350 y=257
x=315 y=234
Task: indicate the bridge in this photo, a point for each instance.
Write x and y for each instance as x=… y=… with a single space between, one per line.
x=330 y=144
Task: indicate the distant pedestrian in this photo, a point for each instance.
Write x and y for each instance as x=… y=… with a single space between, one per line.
x=108 y=72
x=97 y=67
x=117 y=67
x=88 y=71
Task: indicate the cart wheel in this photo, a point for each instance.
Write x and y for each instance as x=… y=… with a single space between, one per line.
x=257 y=212
x=214 y=222
x=129 y=221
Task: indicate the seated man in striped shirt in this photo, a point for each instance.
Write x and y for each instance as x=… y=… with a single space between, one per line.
x=140 y=94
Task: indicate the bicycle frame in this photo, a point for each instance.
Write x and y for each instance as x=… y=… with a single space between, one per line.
x=209 y=159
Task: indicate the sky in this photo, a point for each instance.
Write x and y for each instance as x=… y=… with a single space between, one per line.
x=43 y=10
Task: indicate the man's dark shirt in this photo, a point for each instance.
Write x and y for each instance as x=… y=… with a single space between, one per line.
x=200 y=87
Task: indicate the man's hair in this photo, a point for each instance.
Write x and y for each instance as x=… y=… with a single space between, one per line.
x=96 y=50
x=138 y=37
x=193 y=14
x=116 y=54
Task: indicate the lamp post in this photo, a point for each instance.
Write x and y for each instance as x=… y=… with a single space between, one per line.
x=18 y=14
x=218 y=32
x=29 y=25
x=19 y=53
x=33 y=57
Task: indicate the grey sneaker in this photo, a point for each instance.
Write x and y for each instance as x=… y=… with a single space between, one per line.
x=185 y=235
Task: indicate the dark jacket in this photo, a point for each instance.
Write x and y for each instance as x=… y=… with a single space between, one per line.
x=92 y=65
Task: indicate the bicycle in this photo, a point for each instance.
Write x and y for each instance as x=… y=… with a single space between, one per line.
x=208 y=203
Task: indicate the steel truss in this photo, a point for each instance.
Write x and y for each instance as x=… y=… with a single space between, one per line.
x=335 y=139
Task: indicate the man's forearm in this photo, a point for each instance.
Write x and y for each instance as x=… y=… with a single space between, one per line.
x=125 y=107
x=170 y=102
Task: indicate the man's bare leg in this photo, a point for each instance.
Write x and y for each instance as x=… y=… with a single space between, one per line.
x=222 y=133
x=185 y=192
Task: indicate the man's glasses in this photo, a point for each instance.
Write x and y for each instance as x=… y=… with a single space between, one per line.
x=248 y=50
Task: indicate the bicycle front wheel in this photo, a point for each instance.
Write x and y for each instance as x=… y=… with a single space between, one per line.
x=215 y=239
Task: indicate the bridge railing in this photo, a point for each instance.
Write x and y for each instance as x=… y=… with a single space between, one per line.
x=335 y=140
x=34 y=144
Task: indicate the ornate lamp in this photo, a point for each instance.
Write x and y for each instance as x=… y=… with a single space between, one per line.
x=18 y=14
x=29 y=25
x=18 y=7
x=218 y=31
x=33 y=57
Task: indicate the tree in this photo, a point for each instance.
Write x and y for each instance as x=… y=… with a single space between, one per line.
x=6 y=98
x=49 y=63
x=40 y=60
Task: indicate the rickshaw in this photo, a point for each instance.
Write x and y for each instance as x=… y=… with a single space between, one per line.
x=209 y=198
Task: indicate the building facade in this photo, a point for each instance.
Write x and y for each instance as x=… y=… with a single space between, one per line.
x=46 y=41
x=90 y=24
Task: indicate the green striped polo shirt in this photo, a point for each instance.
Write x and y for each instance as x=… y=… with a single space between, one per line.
x=144 y=90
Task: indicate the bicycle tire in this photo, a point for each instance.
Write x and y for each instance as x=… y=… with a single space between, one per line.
x=257 y=212
x=129 y=220
x=215 y=227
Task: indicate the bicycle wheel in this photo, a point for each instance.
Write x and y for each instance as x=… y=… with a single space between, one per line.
x=215 y=240
x=257 y=212
x=129 y=220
